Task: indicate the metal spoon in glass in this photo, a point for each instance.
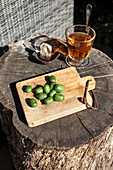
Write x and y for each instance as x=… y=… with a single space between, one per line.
x=88 y=13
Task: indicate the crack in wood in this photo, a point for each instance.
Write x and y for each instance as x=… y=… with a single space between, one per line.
x=106 y=111
x=84 y=126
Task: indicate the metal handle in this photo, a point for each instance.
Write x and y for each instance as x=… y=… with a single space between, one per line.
x=88 y=13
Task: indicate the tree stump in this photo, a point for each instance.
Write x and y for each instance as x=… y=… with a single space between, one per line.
x=80 y=141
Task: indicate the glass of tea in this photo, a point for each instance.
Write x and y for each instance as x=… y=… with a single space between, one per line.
x=79 y=40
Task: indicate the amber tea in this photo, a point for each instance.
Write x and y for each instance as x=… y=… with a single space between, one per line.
x=79 y=42
x=78 y=45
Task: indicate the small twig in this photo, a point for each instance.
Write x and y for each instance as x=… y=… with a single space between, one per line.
x=109 y=75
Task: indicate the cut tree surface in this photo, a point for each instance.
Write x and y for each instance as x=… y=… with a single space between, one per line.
x=82 y=140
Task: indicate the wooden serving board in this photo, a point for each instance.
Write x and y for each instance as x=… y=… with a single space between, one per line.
x=74 y=88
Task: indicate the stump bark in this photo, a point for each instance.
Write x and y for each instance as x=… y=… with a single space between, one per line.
x=83 y=140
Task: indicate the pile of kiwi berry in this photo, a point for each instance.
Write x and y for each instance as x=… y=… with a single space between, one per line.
x=48 y=93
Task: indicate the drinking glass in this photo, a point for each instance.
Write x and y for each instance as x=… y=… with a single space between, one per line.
x=79 y=42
